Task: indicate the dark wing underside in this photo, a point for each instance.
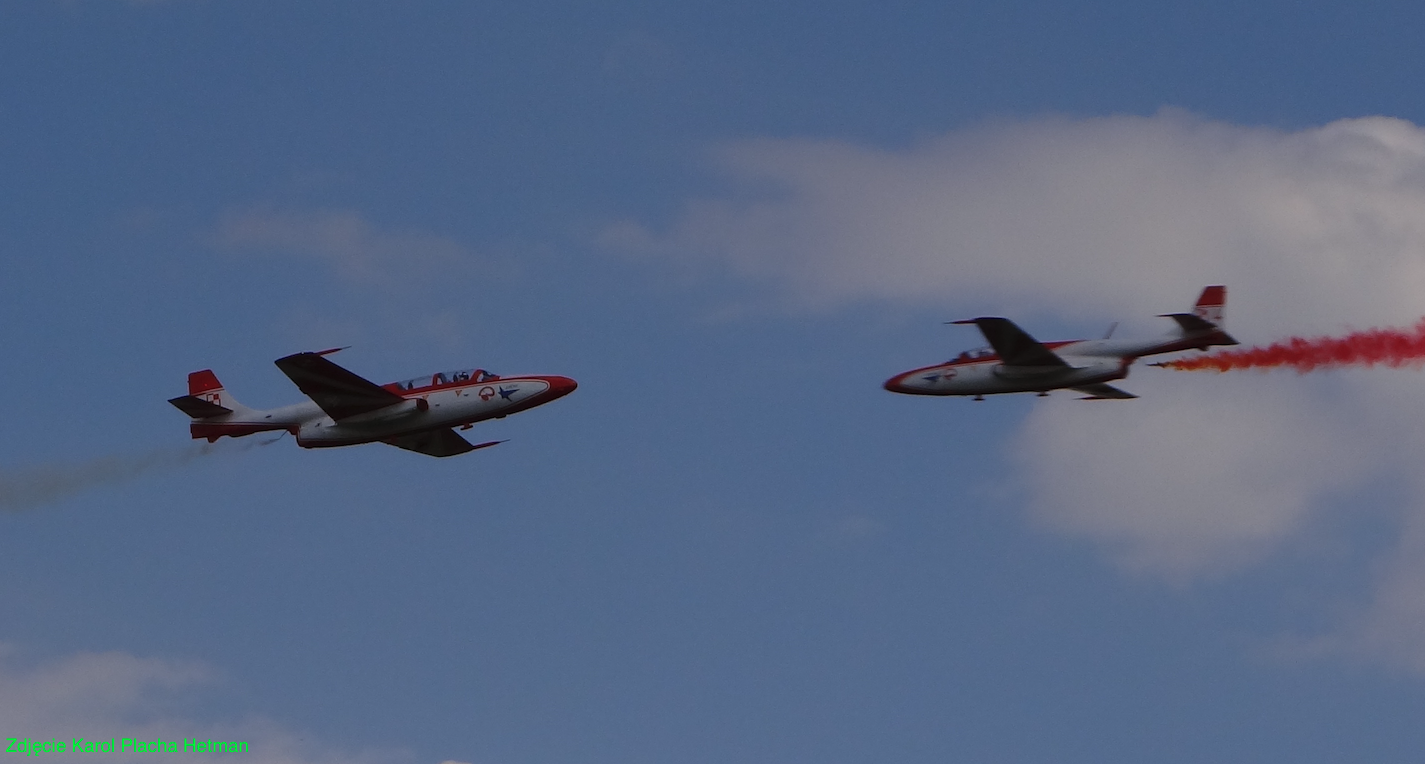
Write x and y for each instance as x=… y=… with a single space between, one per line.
x=337 y=391
x=432 y=443
x=437 y=443
x=1014 y=345
x=1102 y=392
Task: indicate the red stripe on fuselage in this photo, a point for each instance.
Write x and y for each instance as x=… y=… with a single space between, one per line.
x=396 y=388
x=416 y=392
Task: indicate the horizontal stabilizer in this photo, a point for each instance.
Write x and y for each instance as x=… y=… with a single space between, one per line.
x=198 y=408
x=1102 y=392
x=1191 y=323
x=1014 y=345
x=1197 y=327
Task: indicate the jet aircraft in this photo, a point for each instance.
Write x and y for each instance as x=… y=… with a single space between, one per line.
x=417 y=414
x=1017 y=363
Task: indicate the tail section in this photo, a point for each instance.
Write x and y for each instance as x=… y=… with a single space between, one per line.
x=1203 y=327
x=213 y=410
x=205 y=397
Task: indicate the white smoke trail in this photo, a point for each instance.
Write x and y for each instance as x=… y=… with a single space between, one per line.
x=32 y=487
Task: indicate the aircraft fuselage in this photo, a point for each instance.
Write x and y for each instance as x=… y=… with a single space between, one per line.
x=1089 y=362
x=432 y=408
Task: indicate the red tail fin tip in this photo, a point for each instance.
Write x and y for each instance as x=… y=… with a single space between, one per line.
x=1213 y=295
x=204 y=381
x=1210 y=304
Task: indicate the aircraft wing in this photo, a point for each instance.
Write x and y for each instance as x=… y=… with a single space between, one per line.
x=337 y=391
x=1014 y=345
x=436 y=443
x=1102 y=392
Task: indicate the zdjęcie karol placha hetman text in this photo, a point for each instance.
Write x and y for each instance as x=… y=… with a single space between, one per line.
x=123 y=745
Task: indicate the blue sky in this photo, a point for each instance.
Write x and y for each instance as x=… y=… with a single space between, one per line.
x=730 y=222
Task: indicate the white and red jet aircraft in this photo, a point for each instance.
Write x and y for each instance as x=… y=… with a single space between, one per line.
x=417 y=414
x=1020 y=364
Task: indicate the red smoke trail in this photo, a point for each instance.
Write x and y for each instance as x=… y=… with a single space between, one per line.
x=1391 y=347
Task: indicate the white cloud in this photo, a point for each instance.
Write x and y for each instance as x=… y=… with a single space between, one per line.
x=1114 y=215
x=345 y=241
x=1313 y=230
x=1206 y=476
x=392 y=284
x=103 y=696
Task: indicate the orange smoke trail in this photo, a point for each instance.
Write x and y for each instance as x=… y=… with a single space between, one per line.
x=1389 y=347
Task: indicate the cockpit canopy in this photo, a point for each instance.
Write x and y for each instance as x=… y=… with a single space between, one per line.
x=975 y=353
x=444 y=378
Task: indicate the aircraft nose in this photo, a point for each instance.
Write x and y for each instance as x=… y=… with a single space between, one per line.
x=896 y=384
x=927 y=381
x=560 y=386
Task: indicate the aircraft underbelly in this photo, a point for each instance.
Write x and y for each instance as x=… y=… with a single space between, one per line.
x=1006 y=379
x=237 y=425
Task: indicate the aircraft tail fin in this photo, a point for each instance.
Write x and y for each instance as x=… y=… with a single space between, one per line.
x=206 y=397
x=1211 y=304
x=1206 y=318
